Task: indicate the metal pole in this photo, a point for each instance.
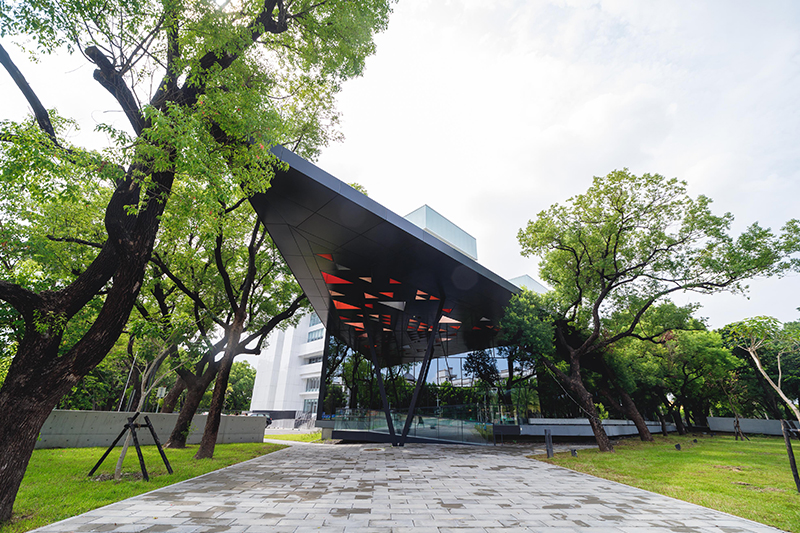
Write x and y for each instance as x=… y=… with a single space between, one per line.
x=119 y=407
x=423 y=374
x=786 y=438
x=376 y=368
x=323 y=377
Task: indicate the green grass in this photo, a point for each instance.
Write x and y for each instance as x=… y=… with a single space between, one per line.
x=56 y=485
x=301 y=437
x=751 y=479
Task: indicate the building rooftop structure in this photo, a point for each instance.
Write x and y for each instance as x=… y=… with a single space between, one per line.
x=393 y=289
x=432 y=222
x=376 y=280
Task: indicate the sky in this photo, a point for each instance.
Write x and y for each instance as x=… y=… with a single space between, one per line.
x=491 y=112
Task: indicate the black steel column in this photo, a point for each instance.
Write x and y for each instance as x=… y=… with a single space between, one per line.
x=423 y=374
x=377 y=370
x=326 y=351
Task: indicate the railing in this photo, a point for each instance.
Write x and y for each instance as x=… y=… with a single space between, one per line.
x=460 y=424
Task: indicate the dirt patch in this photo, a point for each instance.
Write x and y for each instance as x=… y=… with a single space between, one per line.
x=731 y=468
x=125 y=476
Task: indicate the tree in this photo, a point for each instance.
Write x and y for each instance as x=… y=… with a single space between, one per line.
x=755 y=336
x=228 y=82
x=236 y=283
x=625 y=245
x=521 y=366
x=240 y=386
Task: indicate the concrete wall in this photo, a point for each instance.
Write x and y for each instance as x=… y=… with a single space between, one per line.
x=759 y=426
x=579 y=427
x=81 y=429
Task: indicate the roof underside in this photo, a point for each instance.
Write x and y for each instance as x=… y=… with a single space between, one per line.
x=372 y=275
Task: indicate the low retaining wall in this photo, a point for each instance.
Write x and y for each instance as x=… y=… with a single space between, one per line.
x=579 y=427
x=724 y=424
x=83 y=429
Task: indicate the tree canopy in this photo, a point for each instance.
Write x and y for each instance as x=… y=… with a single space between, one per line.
x=206 y=88
x=612 y=253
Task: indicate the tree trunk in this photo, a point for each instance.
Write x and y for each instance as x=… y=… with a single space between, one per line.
x=663 y=421
x=676 y=417
x=586 y=402
x=171 y=399
x=209 y=441
x=136 y=397
x=24 y=412
x=194 y=395
x=633 y=413
x=39 y=376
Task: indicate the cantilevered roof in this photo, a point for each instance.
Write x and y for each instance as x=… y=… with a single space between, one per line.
x=374 y=274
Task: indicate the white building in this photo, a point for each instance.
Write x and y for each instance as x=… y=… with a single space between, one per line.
x=288 y=372
x=289 y=369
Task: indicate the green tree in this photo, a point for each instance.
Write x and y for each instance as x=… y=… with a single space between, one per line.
x=230 y=80
x=235 y=280
x=760 y=334
x=240 y=386
x=625 y=245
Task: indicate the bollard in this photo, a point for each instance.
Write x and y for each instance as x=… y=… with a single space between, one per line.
x=548 y=443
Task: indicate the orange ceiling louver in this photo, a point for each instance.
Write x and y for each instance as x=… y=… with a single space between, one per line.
x=342 y=305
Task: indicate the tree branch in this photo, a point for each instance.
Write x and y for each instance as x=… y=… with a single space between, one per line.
x=76 y=241
x=38 y=109
x=264 y=330
x=110 y=78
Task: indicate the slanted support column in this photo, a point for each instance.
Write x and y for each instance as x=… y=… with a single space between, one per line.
x=374 y=356
x=423 y=375
x=323 y=378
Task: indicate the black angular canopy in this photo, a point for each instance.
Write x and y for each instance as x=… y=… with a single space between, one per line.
x=373 y=276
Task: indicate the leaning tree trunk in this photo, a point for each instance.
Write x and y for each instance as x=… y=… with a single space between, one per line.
x=195 y=389
x=25 y=404
x=663 y=421
x=586 y=401
x=633 y=413
x=676 y=417
x=39 y=376
x=628 y=409
x=209 y=440
x=171 y=399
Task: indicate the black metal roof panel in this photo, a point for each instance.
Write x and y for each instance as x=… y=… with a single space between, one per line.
x=373 y=273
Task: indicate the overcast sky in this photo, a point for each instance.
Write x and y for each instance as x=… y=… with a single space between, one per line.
x=492 y=111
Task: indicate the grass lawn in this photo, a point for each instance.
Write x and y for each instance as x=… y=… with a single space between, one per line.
x=301 y=437
x=751 y=479
x=56 y=485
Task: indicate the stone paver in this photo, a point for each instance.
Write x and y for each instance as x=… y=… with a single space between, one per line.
x=363 y=488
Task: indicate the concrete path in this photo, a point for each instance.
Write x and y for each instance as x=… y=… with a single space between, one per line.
x=416 y=489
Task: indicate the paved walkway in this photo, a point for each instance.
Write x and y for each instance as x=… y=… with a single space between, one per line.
x=416 y=489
